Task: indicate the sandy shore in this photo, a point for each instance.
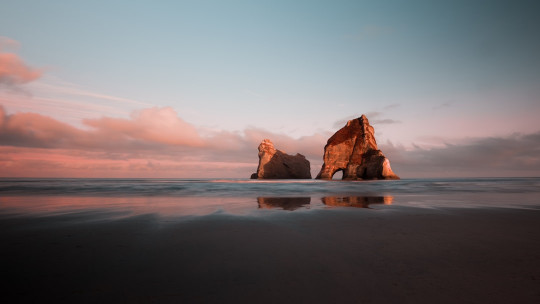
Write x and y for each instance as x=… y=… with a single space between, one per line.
x=343 y=255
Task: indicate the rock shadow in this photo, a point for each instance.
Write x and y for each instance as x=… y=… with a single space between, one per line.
x=356 y=201
x=285 y=203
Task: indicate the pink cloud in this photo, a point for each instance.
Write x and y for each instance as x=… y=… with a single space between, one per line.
x=157 y=125
x=31 y=129
x=152 y=142
x=13 y=70
x=42 y=162
x=151 y=128
x=156 y=142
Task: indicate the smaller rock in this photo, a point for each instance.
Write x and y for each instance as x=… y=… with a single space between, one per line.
x=276 y=164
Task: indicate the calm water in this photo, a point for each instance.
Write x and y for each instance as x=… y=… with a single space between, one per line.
x=188 y=197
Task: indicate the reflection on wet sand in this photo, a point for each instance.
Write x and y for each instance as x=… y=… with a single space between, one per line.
x=285 y=203
x=356 y=201
x=113 y=207
x=116 y=207
x=294 y=203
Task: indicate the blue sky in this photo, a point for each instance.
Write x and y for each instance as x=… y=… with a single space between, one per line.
x=427 y=73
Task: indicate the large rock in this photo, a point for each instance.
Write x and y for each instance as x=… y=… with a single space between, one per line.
x=275 y=164
x=354 y=151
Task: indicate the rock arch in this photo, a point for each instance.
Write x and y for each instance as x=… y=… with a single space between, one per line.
x=353 y=149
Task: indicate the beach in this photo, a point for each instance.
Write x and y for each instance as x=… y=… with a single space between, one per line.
x=380 y=254
x=270 y=152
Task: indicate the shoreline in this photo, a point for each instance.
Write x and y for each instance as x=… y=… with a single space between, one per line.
x=348 y=255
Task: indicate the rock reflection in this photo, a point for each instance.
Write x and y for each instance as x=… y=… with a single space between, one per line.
x=356 y=201
x=285 y=203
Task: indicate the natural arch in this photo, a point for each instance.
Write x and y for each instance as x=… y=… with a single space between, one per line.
x=338 y=174
x=353 y=150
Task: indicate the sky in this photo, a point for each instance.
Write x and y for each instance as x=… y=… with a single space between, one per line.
x=190 y=88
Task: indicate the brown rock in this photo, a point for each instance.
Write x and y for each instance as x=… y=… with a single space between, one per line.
x=354 y=151
x=276 y=164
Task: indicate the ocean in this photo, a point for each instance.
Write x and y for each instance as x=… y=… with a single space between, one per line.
x=189 y=197
x=270 y=241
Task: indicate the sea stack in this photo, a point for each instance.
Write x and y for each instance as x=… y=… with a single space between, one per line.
x=354 y=151
x=276 y=164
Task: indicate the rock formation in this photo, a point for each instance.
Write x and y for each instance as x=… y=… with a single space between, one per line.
x=353 y=150
x=275 y=164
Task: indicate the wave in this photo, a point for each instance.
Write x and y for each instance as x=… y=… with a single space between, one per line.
x=249 y=188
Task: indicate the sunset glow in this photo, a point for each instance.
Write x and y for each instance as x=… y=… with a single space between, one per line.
x=278 y=151
x=197 y=88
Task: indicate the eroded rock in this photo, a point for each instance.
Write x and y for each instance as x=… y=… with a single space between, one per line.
x=353 y=150
x=276 y=164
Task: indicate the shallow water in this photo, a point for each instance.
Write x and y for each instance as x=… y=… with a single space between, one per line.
x=194 y=197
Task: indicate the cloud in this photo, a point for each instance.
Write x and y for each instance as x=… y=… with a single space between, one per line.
x=156 y=142
x=515 y=155
x=35 y=130
x=156 y=135
x=67 y=102
x=39 y=162
x=385 y=121
x=71 y=90
x=13 y=71
x=150 y=128
x=155 y=125
x=371 y=117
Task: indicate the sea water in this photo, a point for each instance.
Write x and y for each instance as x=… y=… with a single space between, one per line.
x=191 y=197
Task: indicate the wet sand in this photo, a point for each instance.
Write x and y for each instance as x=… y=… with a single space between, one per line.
x=342 y=255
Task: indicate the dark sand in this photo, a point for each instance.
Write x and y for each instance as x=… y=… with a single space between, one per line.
x=343 y=255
